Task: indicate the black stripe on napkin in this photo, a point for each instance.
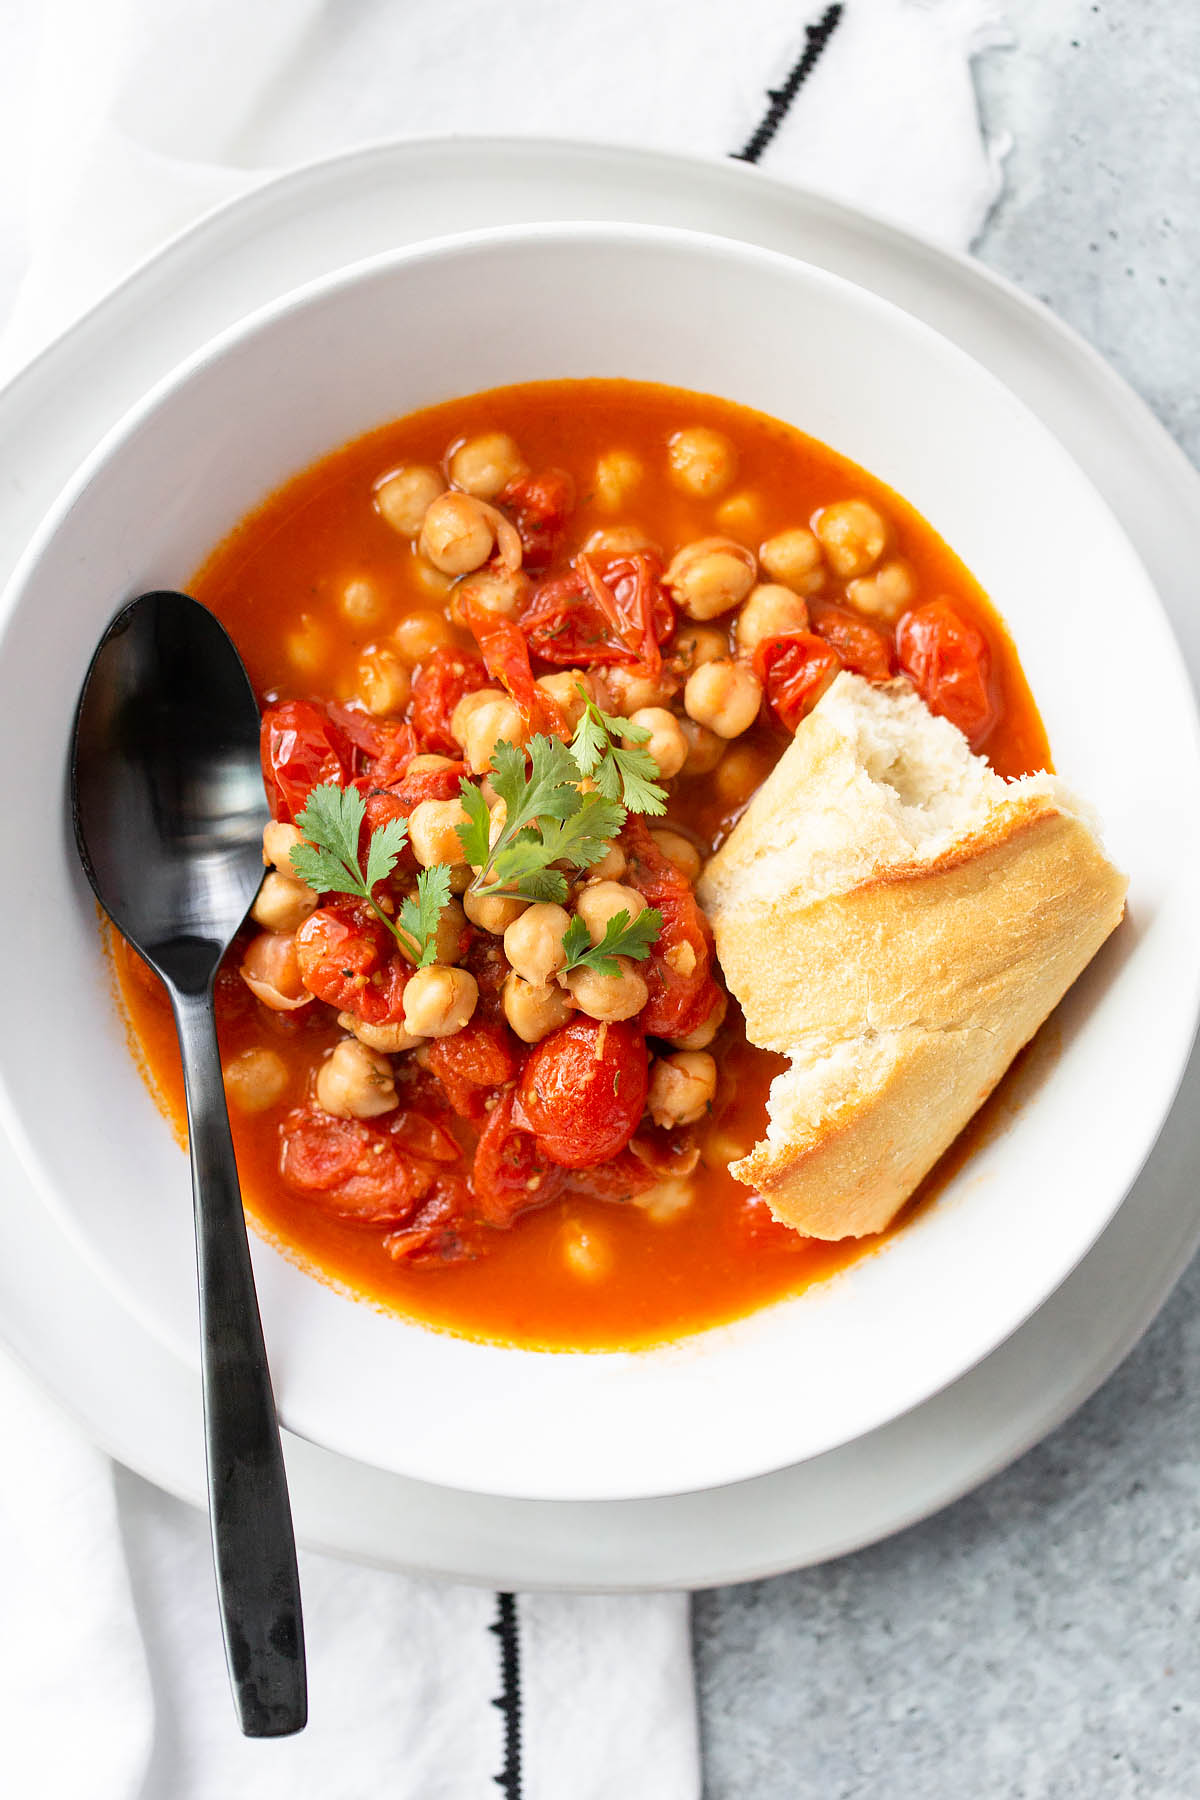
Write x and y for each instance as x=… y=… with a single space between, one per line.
x=816 y=38
x=509 y=1698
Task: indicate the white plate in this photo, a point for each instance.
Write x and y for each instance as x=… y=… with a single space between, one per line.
x=143 y=1404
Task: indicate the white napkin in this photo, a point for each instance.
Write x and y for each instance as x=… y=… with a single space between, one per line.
x=125 y=119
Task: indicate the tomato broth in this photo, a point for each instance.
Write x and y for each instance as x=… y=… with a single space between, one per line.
x=330 y=604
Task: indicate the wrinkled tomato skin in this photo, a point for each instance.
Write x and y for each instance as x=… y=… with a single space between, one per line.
x=355 y=1172
x=443 y=680
x=795 y=670
x=348 y=959
x=511 y=1174
x=301 y=748
x=861 y=648
x=472 y=1064
x=949 y=663
x=564 y=623
x=506 y=655
x=583 y=1089
x=540 y=506
x=678 y=970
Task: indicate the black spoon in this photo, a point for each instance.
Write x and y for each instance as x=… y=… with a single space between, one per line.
x=168 y=805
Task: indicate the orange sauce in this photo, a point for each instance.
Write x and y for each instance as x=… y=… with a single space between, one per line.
x=277 y=583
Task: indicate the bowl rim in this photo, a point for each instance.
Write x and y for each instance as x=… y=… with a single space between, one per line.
x=567 y=234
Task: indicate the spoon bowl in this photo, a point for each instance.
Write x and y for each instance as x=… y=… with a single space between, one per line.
x=168 y=807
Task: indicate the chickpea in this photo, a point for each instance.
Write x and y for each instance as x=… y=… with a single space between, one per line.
x=361 y=602
x=534 y=1012
x=627 y=692
x=617 y=473
x=493 y=912
x=710 y=575
x=485 y=465
x=390 y=1038
x=282 y=902
x=618 y=540
x=741 y=772
x=682 y=1087
x=609 y=996
x=355 y=1082
x=666 y=743
x=611 y=866
x=725 y=696
x=428 y=762
x=383 y=683
x=769 y=610
x=702 y=461
x=696 y=644
x=279 y=840
x=741 y=513
x=794 y=559
x=587 y=1252
x=854 y=535
x=448 y=944
x=499 y=721
x=469 y=704
x=419 y=634
x=682 y=852
x=706 y=1031
x=271 y=972
x=563 y=688
x=533 y=943
x=600 y=901
x=705 y=748
x=887 y=593
x=457 y=535
x=489 y=593
x=403 y=498
x=431 y=581
x=438 y=1002
x=255 y=1080
x=308 y=646
x=432 y=831
x=666 y=1199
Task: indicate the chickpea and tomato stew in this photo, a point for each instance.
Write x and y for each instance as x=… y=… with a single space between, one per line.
x=523 y=660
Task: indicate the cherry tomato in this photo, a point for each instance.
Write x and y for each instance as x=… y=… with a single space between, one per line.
x=795 y=670
x=540 y=506
x=861 y=647
x=353 y=1170
x=617 y=1179
x=583 y=1089
x=950 y=663
x=302 y=747
x=511 y=1173
x=443 y=1229
x=506 y=655
x=678 y=970
x=349 y=959
x=619 y=613
x=472 y=1064
x=444 y=678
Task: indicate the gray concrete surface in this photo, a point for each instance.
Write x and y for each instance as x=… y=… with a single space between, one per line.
x=1037 y=1641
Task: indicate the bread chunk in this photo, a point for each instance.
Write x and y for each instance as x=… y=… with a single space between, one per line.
x=898 y=920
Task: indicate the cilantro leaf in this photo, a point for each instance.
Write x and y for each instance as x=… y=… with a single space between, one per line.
x=582 y=839
x=332 y=821
x=622 y=937
x=419 y=918
x=474 y=836
x=610 y=751
x=384 y=848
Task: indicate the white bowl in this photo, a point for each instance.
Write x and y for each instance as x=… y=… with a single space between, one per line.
x=400 y=332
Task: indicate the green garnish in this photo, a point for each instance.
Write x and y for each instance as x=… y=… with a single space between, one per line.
x=622 y=937
x=623 y=772
x=332 y=822
x=547 y=820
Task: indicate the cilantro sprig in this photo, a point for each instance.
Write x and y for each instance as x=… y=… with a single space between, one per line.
x=622 y=771
x=622 y=937
x=547 y=820
x=332 y=823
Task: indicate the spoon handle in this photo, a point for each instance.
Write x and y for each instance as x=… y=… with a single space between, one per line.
x=254 y=1546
